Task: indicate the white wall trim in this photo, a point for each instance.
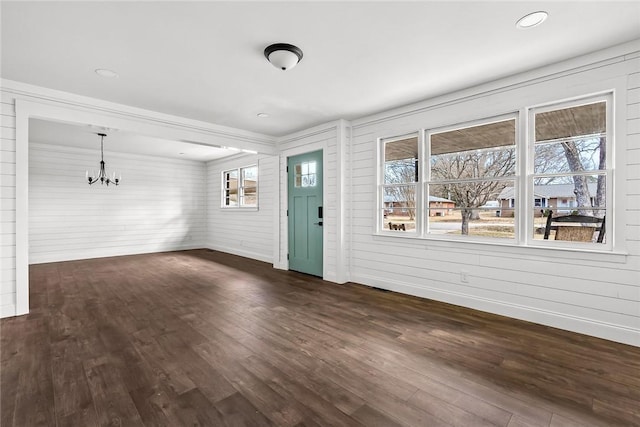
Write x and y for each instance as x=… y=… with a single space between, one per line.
x=43 y=146
x=303 y=134
x=603 y=330
x=342 y=263
x=203 y=132
x=8 y=310
x=277 y=259
x=240 y=252
x=22 y=209
x=106 y=253
x=285 y=153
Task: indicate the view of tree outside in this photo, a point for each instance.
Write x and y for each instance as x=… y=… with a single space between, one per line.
x=400 y=182
x=467 y=174
x=400 y=172
x=571 y=151
x=471 y=174
x=472 y=166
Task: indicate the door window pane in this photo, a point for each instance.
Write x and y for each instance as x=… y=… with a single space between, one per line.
x=305 y=174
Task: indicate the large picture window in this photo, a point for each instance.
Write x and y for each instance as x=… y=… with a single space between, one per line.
x=480 y=181
x=240 y=187
x=468 y=169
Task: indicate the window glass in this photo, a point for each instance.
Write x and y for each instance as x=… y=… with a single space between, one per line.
x=230 y=188
x=305 y=174
x=240 y=187
x=570 y=164
x=249 y=186
x=401 y=161
x=472 y=173
x=470 y=183
x=400 y=177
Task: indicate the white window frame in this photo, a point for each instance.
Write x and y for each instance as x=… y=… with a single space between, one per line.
x=241 y=187
x=608 y=245
x=381 y=186
x=524 y=178
x=426 y=176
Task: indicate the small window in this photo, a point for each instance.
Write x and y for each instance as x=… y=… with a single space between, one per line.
x=399 y=184
x=240 y=187
x=305 y=174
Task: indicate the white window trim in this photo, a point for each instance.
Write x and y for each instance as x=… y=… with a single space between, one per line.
x=523 y=187
x=240 y=188
x=425 y=179
x=379 y=217
x=610 y=224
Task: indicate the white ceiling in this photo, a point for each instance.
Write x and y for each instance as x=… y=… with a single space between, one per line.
x=204 y=60
x=71 y=135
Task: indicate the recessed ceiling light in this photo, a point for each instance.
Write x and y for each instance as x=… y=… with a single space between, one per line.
x=262 y=115
x=103 y=72
x=182 y=154
x=532 y=19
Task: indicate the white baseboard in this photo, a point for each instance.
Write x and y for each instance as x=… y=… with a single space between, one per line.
x=104 y=253
x=585 y=326
x=280 y=266
x=240 y=252
x=7 y=311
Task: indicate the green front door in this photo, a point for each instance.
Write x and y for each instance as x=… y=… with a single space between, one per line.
x=305 y=213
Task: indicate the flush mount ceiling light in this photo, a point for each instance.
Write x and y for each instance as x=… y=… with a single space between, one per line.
x=283 y=55
x=103 y=72
x=262 y=115
x=532 y=19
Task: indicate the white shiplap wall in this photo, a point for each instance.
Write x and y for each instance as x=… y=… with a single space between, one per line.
x=160 y=205
x=245 y=232
x=584 y=292
x=7 y=207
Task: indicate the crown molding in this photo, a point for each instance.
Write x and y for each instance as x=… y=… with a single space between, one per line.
x=44 y=95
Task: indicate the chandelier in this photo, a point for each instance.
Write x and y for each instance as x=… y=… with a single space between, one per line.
x=102 y=175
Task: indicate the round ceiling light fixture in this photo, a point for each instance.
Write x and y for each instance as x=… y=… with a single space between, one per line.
x=103 y=72
x=283 y=55
x=532 y=19
x=262 y=115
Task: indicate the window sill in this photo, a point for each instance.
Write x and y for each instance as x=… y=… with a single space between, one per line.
x=239 y=208
x=505 y=248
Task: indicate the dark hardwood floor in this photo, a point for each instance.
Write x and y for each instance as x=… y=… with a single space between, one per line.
x=204 y=338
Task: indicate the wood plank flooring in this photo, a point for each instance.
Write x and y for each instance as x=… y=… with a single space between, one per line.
x=204 y=338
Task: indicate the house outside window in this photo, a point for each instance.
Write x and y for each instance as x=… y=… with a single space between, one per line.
x=240 y=187
x=570 y=163
x=399 y=187
x=470 y=166
x=463 y=182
